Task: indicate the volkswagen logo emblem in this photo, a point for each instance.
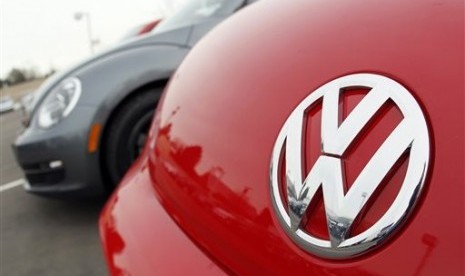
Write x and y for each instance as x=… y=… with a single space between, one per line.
x=293 y=190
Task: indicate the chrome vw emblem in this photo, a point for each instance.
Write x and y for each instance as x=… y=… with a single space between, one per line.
x=342 y=208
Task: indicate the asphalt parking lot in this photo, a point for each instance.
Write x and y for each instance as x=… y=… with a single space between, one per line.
x=41 y=236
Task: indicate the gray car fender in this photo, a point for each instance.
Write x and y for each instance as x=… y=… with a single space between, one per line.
x=108 y=82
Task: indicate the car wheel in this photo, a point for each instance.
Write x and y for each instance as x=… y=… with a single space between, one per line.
x=127 y=133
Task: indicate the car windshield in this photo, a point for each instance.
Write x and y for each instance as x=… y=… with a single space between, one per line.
x=193 y=11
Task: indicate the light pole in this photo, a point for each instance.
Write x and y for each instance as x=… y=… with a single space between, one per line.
x=92 y=42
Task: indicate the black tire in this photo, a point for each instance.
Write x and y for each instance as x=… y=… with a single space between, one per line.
x=126 y=133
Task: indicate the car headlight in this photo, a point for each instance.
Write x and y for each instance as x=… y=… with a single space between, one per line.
x=59 y=102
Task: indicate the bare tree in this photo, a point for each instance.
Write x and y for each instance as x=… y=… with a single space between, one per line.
x=16 y=76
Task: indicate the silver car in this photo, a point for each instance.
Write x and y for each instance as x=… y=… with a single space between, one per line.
x=6 y=104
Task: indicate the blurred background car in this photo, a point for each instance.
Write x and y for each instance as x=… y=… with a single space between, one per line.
x=89 y=123
x=242 y=125
x=6 y=104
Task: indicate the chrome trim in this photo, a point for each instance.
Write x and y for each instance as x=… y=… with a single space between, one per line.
x=341 y=210
x=68 y=84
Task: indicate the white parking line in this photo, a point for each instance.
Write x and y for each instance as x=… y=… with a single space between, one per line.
x=12 y=185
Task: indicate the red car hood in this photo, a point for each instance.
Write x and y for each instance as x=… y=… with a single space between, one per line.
x=208 y=158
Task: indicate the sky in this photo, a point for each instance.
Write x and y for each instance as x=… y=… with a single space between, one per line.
x=43 y=34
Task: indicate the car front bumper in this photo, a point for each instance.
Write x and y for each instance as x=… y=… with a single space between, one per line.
x=55 y=161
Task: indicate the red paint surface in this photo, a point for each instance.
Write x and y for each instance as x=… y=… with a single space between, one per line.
x=149 y=27
x=134 y=221
x=209 y=167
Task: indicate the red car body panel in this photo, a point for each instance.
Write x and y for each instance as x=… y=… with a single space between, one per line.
x=208 y=157
x=174 y=253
